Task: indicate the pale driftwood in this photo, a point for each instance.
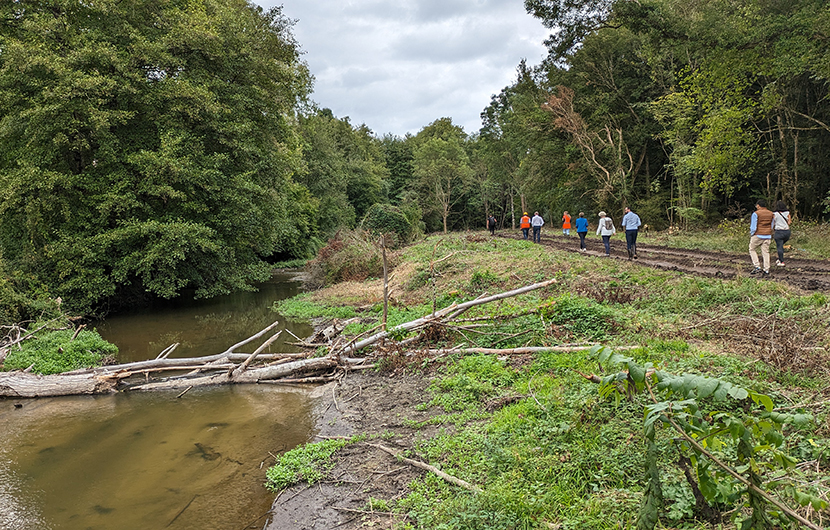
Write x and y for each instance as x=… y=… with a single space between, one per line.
x=250 y=359
x=165 y=353
x=252 y=375
x=508 y=351
x=432 y=469
x=23 y=385
x=414 y=324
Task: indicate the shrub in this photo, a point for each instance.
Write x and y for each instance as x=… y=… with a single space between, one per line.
x=388 y=219
x=53 y=352
x=349 y=256
x=582 y=317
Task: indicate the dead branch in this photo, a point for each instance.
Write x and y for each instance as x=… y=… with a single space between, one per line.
x=432 y=469
x=438 y=315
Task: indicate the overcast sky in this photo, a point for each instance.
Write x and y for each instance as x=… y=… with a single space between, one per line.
x=398 y=65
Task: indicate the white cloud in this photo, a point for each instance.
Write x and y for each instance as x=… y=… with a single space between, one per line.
x=398 y=65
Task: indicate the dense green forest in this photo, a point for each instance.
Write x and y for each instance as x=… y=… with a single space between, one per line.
x=149 y=147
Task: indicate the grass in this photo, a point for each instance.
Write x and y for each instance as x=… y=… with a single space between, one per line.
x=541 y=441
x=53 y=352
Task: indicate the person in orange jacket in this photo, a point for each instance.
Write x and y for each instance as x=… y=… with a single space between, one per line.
x=566 y=223
x=525 y=225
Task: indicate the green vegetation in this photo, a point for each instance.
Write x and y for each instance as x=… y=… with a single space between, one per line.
x=53 y=352
x=737 y=365
x=147 y=147
x=145 y=159
x=304 y=463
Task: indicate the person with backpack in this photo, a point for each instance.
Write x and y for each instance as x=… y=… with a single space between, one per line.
x=606 y=230
x=537 y=222
x=581 y=225
x=491 y=224
x=525 y=225
x=781 y=229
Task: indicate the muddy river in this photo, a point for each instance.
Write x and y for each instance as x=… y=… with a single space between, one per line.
x=150 y=460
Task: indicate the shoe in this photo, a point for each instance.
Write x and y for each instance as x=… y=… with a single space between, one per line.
x=756 y=270
x=608 y=255
x=635 y=256
x=779 y=263
x=765 y=274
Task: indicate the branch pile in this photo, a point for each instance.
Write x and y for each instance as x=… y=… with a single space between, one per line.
x=231 y=367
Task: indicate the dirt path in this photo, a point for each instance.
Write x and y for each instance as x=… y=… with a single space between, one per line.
x=808 y=274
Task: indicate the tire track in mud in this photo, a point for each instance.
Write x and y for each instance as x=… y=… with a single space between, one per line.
x=807 y=274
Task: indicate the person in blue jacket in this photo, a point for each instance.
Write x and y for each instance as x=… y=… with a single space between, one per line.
x=581 y=230
x=631 y=224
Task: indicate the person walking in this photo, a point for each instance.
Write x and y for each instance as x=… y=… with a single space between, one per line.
x=536 y=223
x=606 y=230
x=581 y=225
x=760 y=235
x=491 y=224
x=525 y=225
x=781 y=229
x=566 y=223
x=631 y=224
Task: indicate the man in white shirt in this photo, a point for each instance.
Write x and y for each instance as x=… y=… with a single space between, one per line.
x=536 y=223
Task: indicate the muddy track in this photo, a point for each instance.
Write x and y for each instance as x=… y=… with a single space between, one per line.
x=807 y=274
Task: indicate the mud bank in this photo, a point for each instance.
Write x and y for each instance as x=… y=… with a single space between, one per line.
x=371 y=404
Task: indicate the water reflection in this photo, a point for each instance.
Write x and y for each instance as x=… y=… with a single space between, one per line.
x=204 y=327
x=141 y=461
x=138 y=461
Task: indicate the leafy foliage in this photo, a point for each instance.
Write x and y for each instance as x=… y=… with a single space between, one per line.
x=732 y=449
x=147 y=146
x=53 y=352
x=304 y=463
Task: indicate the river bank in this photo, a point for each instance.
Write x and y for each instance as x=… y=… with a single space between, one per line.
x=548 y=449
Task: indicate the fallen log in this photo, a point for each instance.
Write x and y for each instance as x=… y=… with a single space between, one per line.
x=252 y=375
x=438 y=315
x=24 y=385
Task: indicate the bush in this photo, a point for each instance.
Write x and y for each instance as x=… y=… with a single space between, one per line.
x=349 y=256
x=391 y=220
x=54 y=352
x=17 y=305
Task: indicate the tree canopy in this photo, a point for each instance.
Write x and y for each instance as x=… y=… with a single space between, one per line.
x=148 y=145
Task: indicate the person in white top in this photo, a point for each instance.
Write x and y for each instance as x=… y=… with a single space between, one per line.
x=536 y=223
x=606 y=230
x=781 y=229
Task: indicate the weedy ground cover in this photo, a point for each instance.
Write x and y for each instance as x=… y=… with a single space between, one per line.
x=546 y=445
x=56 y=351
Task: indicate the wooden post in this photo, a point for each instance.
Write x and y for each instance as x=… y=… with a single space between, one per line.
x=385 y=281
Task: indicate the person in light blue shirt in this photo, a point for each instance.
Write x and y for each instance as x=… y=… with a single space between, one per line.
x=631 y=224
x=581 y=230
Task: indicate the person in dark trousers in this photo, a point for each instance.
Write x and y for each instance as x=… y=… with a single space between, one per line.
x=631 y=224
x=581 y=225
x=536 y=223
x=525 y=225
x=491 y=224
x=606 y=229
x=781 y=229
x=760 y=235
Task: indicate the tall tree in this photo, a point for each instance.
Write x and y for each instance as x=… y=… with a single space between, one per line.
x=148 y=146
x=442 y=167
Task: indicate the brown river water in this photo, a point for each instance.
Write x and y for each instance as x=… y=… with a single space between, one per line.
x=151 y=460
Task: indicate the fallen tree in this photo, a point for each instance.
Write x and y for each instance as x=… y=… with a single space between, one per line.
x=232 y=367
